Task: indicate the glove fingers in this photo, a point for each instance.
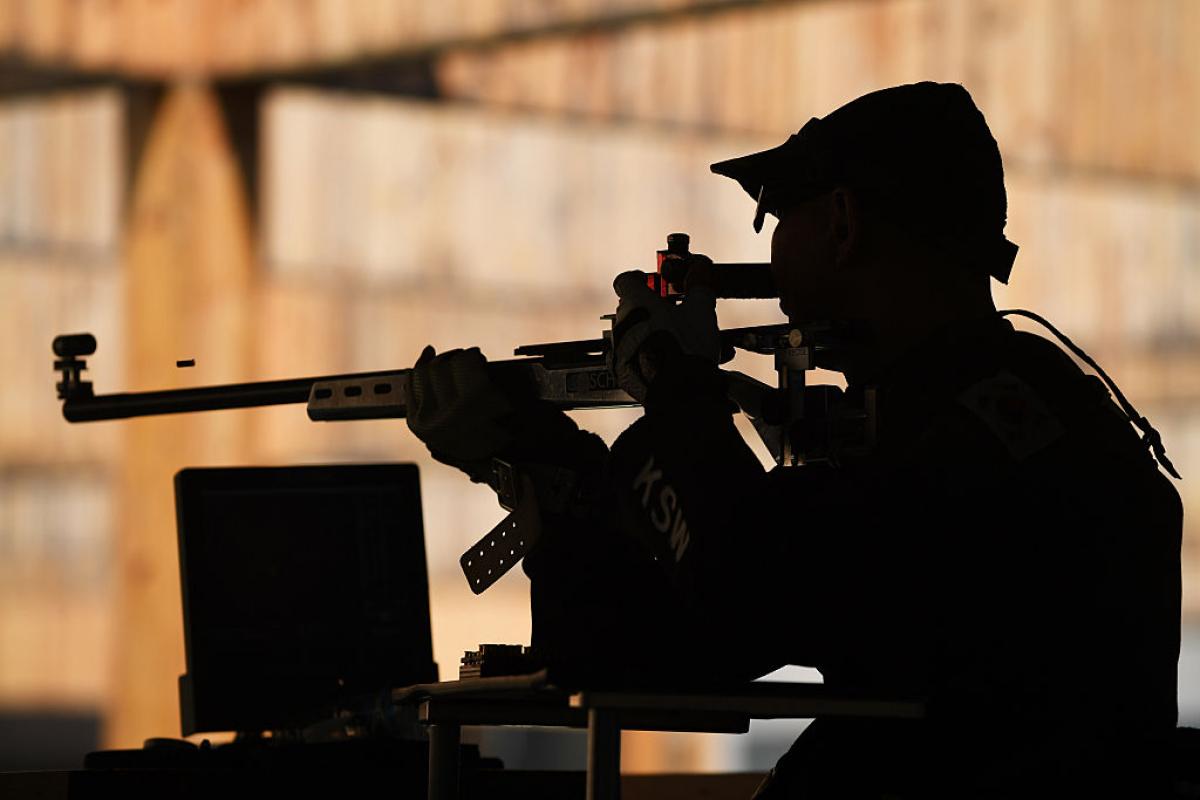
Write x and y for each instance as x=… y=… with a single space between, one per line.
x=426 y=391
x=454 y=407
x=457 y=382
x=632 y=286
x=426 y=356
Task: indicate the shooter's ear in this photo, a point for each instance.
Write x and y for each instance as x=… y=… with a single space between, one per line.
x=845 y=222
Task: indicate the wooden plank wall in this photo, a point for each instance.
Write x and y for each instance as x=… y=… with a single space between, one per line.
x=61 y=189
x=422 y=197
x=56 y=579
x=61 y=172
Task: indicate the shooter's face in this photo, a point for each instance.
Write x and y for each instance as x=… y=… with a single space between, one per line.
x=804 y=263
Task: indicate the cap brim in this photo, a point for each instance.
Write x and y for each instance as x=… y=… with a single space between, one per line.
x=801 y=166
x=753 y=170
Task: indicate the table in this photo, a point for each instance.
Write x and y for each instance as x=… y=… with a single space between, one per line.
x=534 y=700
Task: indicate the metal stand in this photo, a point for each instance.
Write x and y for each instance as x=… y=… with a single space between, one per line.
x=791 y=362
x=530 y=700
x=603 y=755
x=445 y=739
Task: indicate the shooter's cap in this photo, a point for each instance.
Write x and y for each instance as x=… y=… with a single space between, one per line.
x=923 y=151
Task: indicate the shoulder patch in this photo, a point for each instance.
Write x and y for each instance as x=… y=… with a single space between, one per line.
x=1014 y=412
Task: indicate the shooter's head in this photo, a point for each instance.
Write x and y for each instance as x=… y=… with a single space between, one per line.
x=896 y=197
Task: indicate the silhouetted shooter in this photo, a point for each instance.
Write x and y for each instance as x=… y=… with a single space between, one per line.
x=1008 y=549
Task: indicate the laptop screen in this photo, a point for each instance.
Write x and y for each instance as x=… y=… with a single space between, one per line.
x=304 y=589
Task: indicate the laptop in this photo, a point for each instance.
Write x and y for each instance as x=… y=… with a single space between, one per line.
x=305 y=590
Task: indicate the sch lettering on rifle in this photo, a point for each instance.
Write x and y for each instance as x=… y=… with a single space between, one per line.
x=666 y=515
x=590 y=380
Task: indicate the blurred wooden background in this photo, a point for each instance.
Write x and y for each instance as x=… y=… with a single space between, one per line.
x=548 y=146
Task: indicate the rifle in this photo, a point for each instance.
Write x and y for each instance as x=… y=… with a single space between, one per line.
x=570 y=375
x=799 y=423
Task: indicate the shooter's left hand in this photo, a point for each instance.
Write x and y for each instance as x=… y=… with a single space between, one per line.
x=467 y=414
x=455 y=408
x=649 y=328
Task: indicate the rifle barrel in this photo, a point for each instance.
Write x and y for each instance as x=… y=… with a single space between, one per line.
x=567 y=374
x=201 y=398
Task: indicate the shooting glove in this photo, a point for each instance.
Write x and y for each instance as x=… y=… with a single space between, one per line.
x=456 y=409
x=467 y=415
x=643 y=319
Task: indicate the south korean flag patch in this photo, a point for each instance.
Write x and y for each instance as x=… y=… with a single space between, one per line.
x=1014 y=412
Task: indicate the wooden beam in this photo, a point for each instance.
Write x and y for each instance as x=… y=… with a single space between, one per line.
x=21 y=76
x=169 y=39
x=188 y=268
x=142 y=103
x=240 y=109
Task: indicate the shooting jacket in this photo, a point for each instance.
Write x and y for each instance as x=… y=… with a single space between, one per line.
x=1009 y=551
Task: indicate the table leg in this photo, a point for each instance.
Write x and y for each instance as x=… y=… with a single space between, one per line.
x=444 y=747
x=604 y=756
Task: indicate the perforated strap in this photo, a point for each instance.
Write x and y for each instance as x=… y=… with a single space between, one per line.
x=526 y=491
x=504 y=545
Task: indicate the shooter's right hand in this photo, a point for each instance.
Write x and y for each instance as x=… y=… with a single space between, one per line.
x=644 y=322
x=456 y=409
